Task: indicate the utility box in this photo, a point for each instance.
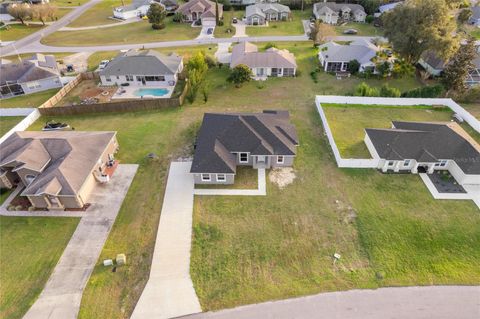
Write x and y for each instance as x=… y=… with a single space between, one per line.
x=121 y=259
x=108 y=262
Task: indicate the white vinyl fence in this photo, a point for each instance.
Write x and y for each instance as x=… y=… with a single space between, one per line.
x=23 y=124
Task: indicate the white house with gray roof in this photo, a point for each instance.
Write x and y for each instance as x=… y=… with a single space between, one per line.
x=333 y=13
x=260 y=13
x=335 y=57
x=272 y=62
x=142 y=68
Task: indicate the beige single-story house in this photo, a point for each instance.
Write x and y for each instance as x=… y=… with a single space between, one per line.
x=260 y=13
x=333 y=13
x=225 y=141
x=418 y=147
x=273 y=62
x=203 y=10
x=58 y=169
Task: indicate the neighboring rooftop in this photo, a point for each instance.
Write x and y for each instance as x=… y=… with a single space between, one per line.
x=260 y=8
x=24 y=71
x=205 y=6
x=334 y=8
x=247 y=53
x=427 y=142
x=267 y=133
x=361 y=50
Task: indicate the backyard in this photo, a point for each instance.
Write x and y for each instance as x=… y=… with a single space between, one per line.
x=293 y=27
x=28 y=100
x=8 y=122
x=252 y=249
x=138 y=32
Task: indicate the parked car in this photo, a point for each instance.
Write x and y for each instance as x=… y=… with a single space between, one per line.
x=350 y=31
x=103 y=64
x=234 y=20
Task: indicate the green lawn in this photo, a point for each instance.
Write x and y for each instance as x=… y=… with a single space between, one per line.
x=364 y=29
x=28 y=100
x=138 y=32
x=348 y=123
x=18 y=57
x=252 y=249
x=293 y=27
x=473 y=108
x=245 y=178
x=68 y=3
x=15 y=32
x=221 y=32
x=30 y=249
x=98 y=14
x=8 y=122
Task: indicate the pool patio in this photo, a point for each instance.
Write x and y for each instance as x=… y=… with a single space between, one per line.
x=131 y=92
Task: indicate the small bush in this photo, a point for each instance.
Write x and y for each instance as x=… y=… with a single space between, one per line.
x=298 y=73
x=158 y=26
x=261 y=85
x=220 y=23
x=269 y=45
x=426 y=92
x=211 y=62
x=314 y=76
x=369 y=19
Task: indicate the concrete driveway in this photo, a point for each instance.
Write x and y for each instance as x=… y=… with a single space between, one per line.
x=240 y=29
x=222 y=54
x=61 y=297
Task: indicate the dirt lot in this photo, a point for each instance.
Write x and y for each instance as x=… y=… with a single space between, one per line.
x=88 y=92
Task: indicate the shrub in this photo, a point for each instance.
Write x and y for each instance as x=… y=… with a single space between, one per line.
x=158 y=26
x=177 y=17
x=369 y=19
x=353 y=66
x=386 y=91
x=211 y=62
x=220 y=23
x=269 y=45
x=240 y=74
x=314 y=76
x=363 y=89
x=426 y=91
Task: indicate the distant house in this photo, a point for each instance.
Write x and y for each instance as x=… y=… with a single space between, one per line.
x=142 y=68
x=333 y=13
x=425 y=147
x=203 y=10
x=335 y=57
x=225 y=141
x=386 y=8
x=58 y=169
x=170 y=5
x=260 y=13
x=475 y=18
x=38 y=73
x=273 y=62
x=138 y=8
x=249 y=2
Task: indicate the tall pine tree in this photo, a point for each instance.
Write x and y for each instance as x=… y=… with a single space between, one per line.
x=461 y=64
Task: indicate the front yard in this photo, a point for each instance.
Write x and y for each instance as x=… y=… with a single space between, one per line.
x=98 y=14
x=252 y=249
x=364 y=29
x=293 y=27
x=222 y=32
x=138 y=32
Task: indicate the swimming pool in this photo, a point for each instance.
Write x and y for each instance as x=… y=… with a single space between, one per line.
x=152 y=91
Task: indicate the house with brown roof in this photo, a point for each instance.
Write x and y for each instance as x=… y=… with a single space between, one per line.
x=58 y=169
x=225 y=141
x=200 y=10
x=272 y=62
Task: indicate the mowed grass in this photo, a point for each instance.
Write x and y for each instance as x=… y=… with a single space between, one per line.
x=28 y=100
x=8 y=122
x=98 y=14
x=139 y=32
x=292 y=27
x=30 y=248
x=348 y=123
x=15 y=32
x=364 y=29
x=473 y=108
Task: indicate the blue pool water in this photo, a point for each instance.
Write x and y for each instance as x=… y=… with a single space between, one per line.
x=154 y=92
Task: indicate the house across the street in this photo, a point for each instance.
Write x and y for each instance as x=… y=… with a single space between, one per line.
x=58 y=169
x=225 y=141
x=260 y=13
x=418 y=147
x=273 y=62
x=333 y=13
x=203 y=10
x=32 y=75
x=335 y=57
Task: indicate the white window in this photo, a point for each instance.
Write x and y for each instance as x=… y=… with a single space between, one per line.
x=129 y=78
x=443 y=163
x=391 y=163
x=406 y=163
x=206 y=177
x=221 y=178
x=280 y=159
x=33 y=85
x=243 y=157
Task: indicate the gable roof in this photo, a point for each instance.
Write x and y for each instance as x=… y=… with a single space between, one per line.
x=205 y=6
x=64 y=160
x=24 y=71
x=360 y=50
x=247 y=53
x=260 y=8
x=148 y=62
x=267 y=133
x=322 y=7
x=427 y=142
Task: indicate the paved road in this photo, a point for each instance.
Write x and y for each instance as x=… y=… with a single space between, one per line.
x=169 y=291
x=61 y=297
x=439 y=302
x=35 y=37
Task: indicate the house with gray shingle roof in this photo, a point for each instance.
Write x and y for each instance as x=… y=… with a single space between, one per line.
x=260 y=13
x=419 y=147
x=272 y=62
x=333 y=13
x=225 y=141
x=142 y=68
x=475 y=18
x=335 y=57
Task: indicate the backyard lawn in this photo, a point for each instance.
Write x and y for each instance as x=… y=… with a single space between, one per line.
x=251 y=249
x=364 y=29
x=15 y=32
x=98 y=14
x=30 y=249
x=293 y=27
x=28 y=100
x=473 y=108
x=138 y=32
x=8 y=122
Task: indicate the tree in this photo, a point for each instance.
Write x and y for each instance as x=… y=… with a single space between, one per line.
x=156 y=16
x=456 y=72
x=320 y=32
x=217 y=16
x=240 y=74
x=20 y=12
x=464 y=15
x=383 y=68
x=421 y=25
x=196 y=70
x=44 y=11
x=402 y=68
x=353 y=66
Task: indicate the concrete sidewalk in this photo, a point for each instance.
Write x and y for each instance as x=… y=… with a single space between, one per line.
x=439 y=302
x=169 y=291
x=61 y=297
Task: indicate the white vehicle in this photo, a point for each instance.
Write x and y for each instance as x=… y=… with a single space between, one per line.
x=103 y=64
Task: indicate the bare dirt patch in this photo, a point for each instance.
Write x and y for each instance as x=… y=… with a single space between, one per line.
x=282 y=177
x=88 y=92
